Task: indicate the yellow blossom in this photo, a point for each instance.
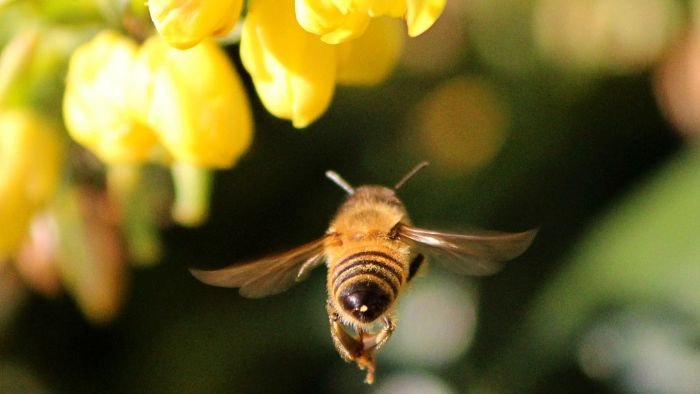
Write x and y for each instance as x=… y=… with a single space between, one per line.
x=337 y=21
x=30 y=167
x=130 y=104
x=184 y=23
x=330 y=20
x=375 y=8
x=193 y=100
x=95 y=105
x=370 y=58
x=293 y=71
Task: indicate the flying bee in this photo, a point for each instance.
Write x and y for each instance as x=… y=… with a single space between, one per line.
x=372 y=251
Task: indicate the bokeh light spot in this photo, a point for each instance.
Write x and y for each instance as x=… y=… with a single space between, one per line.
x=612 y=35
x=414 y=383
x=643 y=352
x=461 y=124
x=677 y=84
x=436 y=325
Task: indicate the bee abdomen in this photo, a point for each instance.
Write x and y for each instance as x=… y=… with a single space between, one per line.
x=366 y=283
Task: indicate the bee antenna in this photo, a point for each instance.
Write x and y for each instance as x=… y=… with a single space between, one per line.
x=410 y=174
x=338 y=180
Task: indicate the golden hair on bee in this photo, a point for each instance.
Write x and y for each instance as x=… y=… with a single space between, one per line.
x=371 y=251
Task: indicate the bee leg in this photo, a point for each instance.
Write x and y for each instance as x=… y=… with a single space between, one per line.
x=359 y=349
x=366 y=361
x=372 y=343
x=385 y=333
x=349 y=347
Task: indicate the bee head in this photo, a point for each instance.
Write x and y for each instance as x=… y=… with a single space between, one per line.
x=376 y=194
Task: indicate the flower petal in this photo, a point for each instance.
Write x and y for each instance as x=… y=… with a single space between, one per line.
x=95 y=100
x=194 y=101
x=30 y=166
x=293 y=71
x=334 y=23
x=421 y=14
x=369 y=59
x=184 y=23
x=392 y=8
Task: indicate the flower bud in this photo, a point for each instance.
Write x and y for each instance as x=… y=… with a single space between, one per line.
x=30 y=168
x=193 y=100
x=330 y=21
x=338 y=21
x=95 y=104
x=184 y=23
x=293 y=71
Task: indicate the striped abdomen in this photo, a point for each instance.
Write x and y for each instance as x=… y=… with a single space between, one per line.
x=365 y=284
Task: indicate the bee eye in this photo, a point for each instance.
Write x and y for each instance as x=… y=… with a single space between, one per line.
x=366 y=301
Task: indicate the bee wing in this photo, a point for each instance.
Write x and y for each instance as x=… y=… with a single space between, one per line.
x=269 y=275
x=471 y=253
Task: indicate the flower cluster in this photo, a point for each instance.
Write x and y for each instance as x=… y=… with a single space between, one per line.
x=296 y=51
x=337 y=21
x=147 y=87
x=295 y=72
x=131 y=103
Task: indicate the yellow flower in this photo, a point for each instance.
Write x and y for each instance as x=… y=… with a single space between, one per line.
x=295 y=73
x=95 y=104
x=193 y=100
x=331 y=20
x=370 y=58
x=131 y=104
x=184 y=23
x=30 y=168
x=337 y=21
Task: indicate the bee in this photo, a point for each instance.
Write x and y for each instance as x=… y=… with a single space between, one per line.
x=372 y=252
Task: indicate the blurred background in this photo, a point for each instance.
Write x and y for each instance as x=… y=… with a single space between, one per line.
x=577 y=116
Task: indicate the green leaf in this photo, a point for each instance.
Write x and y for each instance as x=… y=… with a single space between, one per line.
x=646 y=250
